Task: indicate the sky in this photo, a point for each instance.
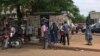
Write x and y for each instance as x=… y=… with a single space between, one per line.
x=85 y=6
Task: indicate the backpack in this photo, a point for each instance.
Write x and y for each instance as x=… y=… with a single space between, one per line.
x=55 y=28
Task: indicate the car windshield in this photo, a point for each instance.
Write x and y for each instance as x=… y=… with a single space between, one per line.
x=96 y=25
x=93 y=25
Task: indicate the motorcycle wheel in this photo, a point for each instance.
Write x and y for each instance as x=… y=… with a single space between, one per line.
x=17 y=43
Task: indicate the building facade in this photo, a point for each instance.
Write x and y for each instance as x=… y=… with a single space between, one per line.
x=35 y=20
x=94 y=16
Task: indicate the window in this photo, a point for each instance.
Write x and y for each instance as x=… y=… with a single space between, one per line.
x=98 y=25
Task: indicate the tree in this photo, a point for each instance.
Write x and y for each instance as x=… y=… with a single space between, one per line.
x=79 y=19
x=12 y=4
x=40 y=6
x=44 y=5
x=55 y=5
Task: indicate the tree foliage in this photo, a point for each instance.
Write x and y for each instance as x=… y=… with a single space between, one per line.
x=42 y=6
x=79 y=19
x=56 y=5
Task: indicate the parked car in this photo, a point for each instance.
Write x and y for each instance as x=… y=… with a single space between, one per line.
x=84 y=27
x=96 y=28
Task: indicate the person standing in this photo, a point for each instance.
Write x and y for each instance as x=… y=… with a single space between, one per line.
x=54 y=32
x=44 y=35
x=73 y=28
x=61 y=33
x=66 y=33
x=6 y=38
x=88 y=35
x=47 y=39
x=29 y=32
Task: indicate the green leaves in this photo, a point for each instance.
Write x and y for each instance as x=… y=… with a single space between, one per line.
x=23 y=2
x=55 y=5
x=79 y=19
x=43 y=5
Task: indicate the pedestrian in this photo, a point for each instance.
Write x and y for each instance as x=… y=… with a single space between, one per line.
x=47 y=39
x=54 y=33
x=61 y=33
x=5 y=38
x=66 y=33
x=12 y=31
x=88 y=35
x=77 y=28
x=43 y=35
x=73 y=28
x=39 y=32
x=13 y=34
x=29 y=32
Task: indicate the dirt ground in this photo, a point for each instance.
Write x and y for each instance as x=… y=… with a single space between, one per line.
x=36 y=50
x=80 y=37
x=31 y=51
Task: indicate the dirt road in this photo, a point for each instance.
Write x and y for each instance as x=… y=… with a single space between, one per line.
x=36 y=50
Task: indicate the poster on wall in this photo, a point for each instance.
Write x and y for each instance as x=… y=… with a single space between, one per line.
x=35 y=23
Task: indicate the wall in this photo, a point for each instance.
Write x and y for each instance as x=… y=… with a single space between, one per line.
x=35 y=22
x=58 y=18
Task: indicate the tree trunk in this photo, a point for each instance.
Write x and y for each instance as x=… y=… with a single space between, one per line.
x=19 y=15
x=34 y=6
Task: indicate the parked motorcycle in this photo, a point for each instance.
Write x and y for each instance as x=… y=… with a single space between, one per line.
x=15 y=40
x=11 y=41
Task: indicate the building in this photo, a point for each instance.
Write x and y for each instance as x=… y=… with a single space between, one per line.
x=35 y=20
x=94 y=16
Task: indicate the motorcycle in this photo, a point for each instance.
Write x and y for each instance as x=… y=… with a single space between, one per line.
x=15 y=41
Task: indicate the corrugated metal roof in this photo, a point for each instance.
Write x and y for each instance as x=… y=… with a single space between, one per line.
x=47 y=13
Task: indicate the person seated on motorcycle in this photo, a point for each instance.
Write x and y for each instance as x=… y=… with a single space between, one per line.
x=15 y=41
x=12 y=33
x=5 y=38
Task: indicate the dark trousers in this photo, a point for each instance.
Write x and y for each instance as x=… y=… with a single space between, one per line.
x=54 y=37
x=72 y=32
x=29 y=37
x=46 y=40
x=64 y=39
x=67 y=35
x=61 y=39
x=45 y=43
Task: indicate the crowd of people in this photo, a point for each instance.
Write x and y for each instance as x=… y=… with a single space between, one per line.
x=64 y=30
x=50 y=34
x=52 y=31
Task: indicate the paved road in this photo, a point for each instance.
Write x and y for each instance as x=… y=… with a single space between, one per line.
x=34 y=50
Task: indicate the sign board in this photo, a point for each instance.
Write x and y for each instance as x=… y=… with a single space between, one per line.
x=35 y=22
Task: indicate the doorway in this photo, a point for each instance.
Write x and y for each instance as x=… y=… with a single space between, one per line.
x=44 y=17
